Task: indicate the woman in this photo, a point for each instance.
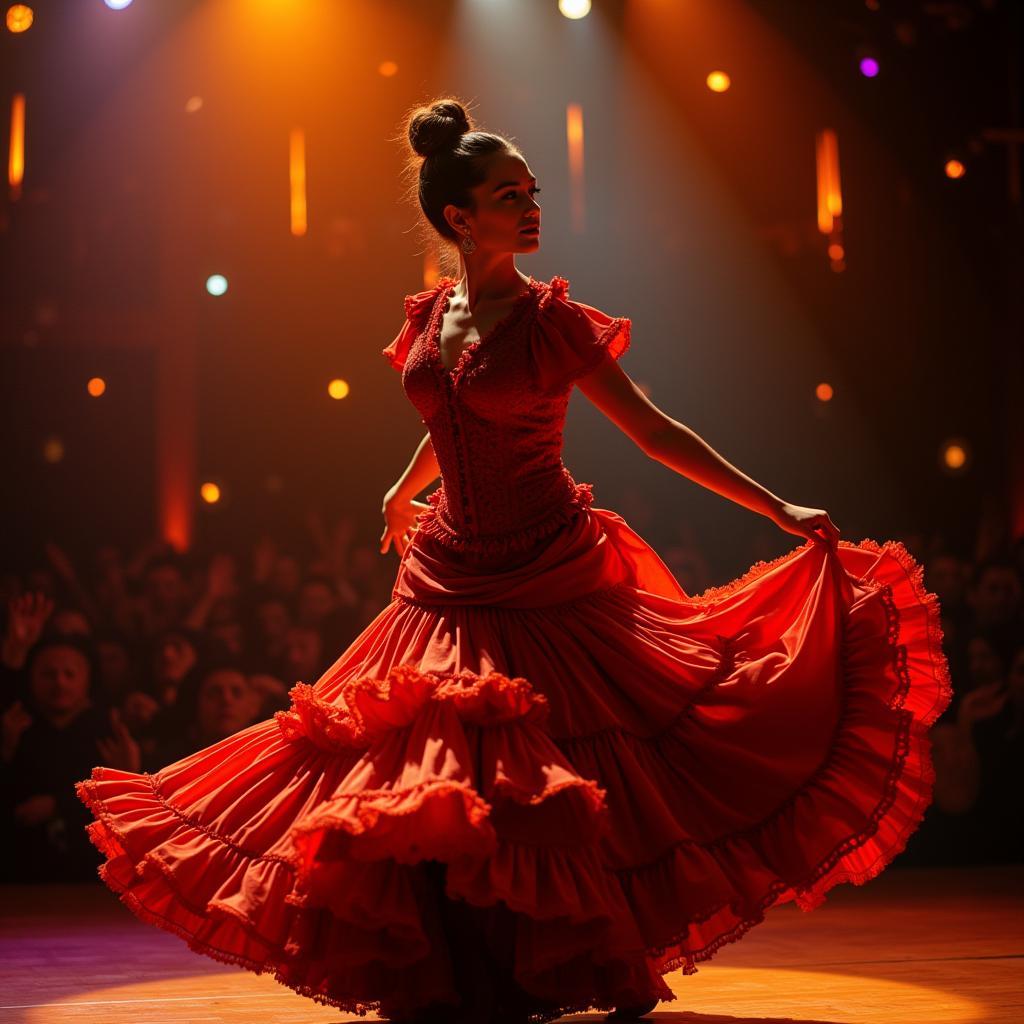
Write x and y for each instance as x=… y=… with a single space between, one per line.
x=543 y=776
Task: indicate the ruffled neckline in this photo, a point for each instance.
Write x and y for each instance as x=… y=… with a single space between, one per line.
x=542 y=290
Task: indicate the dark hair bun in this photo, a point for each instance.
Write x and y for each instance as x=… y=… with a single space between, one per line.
x=438 y=127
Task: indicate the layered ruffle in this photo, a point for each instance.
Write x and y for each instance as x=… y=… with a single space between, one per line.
x=635 y=775
x=326 y=889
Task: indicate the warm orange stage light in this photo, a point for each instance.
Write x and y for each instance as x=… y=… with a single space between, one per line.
x=830 y=196
x=16 y=152
x=210 y=493
x=823 y=392
x=96 y=386
x=19 y=18
x=297 y=176
x=718 y=81
x=574 y=143
x=954 y=456
x=955 y=169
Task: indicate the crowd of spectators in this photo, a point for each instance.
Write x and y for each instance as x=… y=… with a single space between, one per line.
x=142 y=659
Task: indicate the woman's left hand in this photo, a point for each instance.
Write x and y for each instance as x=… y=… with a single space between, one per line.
x=813 y=523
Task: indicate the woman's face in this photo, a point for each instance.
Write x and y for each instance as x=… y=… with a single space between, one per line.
x=505 y=204
x=60 y=682
x=227 y=703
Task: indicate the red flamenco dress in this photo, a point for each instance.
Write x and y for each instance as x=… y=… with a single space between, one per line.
x=543 y=748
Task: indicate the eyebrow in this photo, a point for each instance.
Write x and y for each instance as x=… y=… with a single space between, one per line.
x=505 y=184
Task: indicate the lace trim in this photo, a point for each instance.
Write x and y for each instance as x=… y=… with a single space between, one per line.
x=341 y=721
x=503 y=325
x=432 y=523
x=87 y=794
x=558 y=288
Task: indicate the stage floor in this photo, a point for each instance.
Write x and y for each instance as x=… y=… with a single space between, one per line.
x=929 y=945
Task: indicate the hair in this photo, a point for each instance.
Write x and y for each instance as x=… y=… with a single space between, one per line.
x=455 y=155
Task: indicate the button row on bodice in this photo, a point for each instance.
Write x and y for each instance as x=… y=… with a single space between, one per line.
x=453 y=411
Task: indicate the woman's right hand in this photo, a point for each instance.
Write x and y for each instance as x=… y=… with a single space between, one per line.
x=400 y=519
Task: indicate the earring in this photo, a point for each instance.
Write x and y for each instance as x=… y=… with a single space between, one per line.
x=468 y=245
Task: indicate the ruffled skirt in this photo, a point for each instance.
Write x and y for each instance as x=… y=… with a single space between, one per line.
x=550 y=763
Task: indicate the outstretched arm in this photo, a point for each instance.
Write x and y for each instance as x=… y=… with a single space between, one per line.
x=678 y=447
x=399 y=508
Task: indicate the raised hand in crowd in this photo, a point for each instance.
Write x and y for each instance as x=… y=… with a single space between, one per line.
x=64 y=568
x=220 y=583
x=26 y=615
x=120 y=750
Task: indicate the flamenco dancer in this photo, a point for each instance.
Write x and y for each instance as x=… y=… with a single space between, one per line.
x=544 y=776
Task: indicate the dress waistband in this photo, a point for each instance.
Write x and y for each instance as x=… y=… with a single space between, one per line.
x=434 y=522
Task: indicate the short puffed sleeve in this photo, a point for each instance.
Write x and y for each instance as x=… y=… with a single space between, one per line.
x=417 y=313
x=571 y=338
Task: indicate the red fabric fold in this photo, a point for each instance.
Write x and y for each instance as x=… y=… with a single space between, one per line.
x=634 y=774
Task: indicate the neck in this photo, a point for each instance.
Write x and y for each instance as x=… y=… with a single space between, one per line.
x=491 y=277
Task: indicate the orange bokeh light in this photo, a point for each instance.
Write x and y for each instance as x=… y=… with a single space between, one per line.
x=53 y=449
x=338 y=388
x=955 y=169
x=954 y=456
x=210 y=493
x=836 y=251
x=718 y=81
x=823 y=392
x=19 y=17
x=96 y=386
x=387 y=69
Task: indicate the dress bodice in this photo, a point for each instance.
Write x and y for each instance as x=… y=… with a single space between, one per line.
x=496 y=418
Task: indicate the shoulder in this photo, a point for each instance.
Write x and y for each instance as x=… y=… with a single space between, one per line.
x=418 y=308
x=557 y=305
x=572 y=337
x=419 y=304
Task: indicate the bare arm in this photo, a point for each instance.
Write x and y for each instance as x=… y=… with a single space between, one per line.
x=421 y=471
x=399 y=508
x=675 y=445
